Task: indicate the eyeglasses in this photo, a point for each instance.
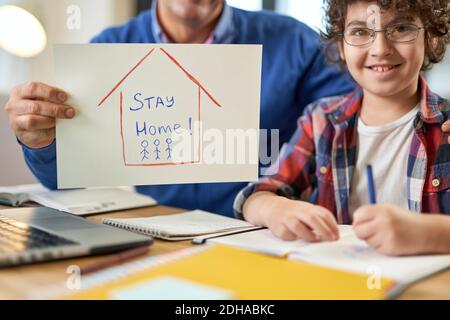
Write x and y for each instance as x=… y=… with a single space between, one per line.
x=400 y=33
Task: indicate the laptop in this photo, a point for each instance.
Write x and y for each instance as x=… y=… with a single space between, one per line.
x=29 y=235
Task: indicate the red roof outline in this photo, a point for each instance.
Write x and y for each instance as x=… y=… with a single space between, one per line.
x=190 y=76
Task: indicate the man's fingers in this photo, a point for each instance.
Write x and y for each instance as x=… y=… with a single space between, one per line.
x=37 y=90
x=300 y=230
x=42 y=108
x=34 y=122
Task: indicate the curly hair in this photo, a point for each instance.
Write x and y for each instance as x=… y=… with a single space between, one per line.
x=434 y=14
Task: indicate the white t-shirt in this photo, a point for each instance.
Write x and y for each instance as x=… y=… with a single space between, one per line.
x=386 y=148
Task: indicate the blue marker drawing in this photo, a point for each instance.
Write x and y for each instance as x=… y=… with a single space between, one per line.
x=157 y=151
x=170 y=101
x=144 y=121
x=144 y=152
x=151 y=102
x=169 y=149
x=141 y=104
x=147 y=129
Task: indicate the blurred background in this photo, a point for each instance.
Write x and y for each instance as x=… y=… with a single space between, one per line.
x=25 y=51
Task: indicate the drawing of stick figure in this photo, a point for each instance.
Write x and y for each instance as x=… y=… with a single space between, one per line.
x=144 y=152
x=157 y=151
x=169 y=149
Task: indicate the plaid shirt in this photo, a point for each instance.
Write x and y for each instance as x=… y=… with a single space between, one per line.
x=320 y=159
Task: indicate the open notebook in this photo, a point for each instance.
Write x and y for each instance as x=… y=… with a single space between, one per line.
x=182 y=226
x=75 y=201
x=348 y=253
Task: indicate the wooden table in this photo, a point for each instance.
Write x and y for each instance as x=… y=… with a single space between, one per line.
x=25 y=281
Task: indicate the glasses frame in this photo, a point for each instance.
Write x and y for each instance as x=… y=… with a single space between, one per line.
x=374 y=33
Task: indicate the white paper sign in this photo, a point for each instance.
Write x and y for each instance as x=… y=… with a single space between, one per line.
x=158 y=114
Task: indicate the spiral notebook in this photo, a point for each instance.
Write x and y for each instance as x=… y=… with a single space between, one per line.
x=183 y=226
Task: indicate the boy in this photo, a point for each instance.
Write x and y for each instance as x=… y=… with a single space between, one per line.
x=391 y=121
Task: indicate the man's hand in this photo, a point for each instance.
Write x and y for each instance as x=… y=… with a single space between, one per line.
x=33 y=109
x=391 y=230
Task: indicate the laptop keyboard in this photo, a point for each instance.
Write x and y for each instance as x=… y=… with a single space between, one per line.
x=16 y=237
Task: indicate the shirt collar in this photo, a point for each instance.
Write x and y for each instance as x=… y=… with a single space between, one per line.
x=223 y=32
x=345 y=108
x=431 y=105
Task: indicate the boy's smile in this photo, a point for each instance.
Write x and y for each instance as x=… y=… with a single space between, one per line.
x=383 y=67
x=384 y=70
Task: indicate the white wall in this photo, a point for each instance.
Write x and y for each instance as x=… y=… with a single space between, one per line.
x=13 y=169
x=251 y=5
x=95 y=16
x=307 y=11
x=439 y=77
x=53 y=14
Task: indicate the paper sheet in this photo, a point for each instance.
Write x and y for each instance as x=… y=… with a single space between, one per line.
x=264 y=241
x=158 y=114
x=352 y=254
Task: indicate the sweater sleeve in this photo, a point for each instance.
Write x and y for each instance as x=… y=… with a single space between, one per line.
x=42 y=162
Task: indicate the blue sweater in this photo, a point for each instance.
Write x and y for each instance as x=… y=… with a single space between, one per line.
x=294 y=74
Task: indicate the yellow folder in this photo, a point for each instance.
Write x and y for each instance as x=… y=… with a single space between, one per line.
x=251 y=275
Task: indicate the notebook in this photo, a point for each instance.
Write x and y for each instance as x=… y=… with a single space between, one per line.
x=183 y=226
x=348 y=253
x=240 y=273
x=76 y=201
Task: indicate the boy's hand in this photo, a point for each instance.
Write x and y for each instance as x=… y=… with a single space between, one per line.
x=446 y=129
x=292 y=220
x=33 y=109
x=389 y=229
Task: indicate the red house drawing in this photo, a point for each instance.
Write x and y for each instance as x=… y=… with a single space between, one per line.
x=198 y=89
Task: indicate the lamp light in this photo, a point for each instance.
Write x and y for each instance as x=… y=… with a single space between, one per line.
x=21 y=33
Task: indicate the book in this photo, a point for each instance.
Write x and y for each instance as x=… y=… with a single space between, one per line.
x=75 y=201
x=183 y=226
x=242 y=274
x=348 y=253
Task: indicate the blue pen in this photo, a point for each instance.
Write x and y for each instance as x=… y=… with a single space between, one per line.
x=371 y=185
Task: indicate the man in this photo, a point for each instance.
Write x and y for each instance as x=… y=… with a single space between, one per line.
x=294 y=74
